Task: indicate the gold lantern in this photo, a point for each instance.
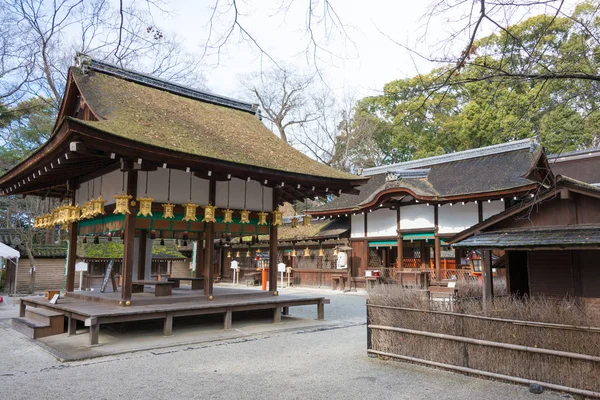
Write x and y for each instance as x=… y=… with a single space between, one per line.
x=335 y=252
x=98 y=206
x=321 y=253
x=122 y=203
x=237 y=254
x=293 y=252
x=306 y=220
x=229 y=254
x=209 y=213
x=54 y=217
x=307 y=252
x=74 y=213
x=277 y=218
x=228 y=216
x=244 y=217
x=168 y=210
x=294 y=222
x=248 y=254
x=190 y=212
x=145 y=206
x=36 y=222
x=47 y=220
x=262 y=218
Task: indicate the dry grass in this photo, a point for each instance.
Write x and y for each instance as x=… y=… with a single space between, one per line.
x=505 y=327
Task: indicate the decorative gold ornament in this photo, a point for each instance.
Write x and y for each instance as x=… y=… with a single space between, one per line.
x=294 y=222
x=277 y=218
x=145 y=206
x=276 y=293
x=262 y=218
x=210 y=298
x=98 y=206
x=293 y=252
x=190 y=212
x=307 y=252
x=209 y=213
x=306 y=220
x=321 y=252
x=168 y=210
x=122 y=203
x=335 y=252
x=128 y=303
x=54 y=217
x=237 y=254
x=229 y=254
x=248 y=254
x=228 y=216
x=74 y=213
x=244 y=217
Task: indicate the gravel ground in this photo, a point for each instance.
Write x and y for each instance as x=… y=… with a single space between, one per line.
x=309 y=363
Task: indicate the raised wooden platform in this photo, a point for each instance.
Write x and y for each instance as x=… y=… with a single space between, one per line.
x=96 y=309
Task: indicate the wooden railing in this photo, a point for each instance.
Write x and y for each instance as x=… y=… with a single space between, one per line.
x=445 y=274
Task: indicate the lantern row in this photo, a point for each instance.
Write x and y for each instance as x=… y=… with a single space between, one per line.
x=68 y=214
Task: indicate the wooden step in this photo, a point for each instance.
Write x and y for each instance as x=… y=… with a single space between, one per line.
x=36 y=329
x=43 y=315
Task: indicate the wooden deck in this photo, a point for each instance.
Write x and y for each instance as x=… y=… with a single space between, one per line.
x=96 y=308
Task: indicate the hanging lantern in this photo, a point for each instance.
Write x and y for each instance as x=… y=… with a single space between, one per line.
x=293 y=252
x=209 y=213
x=98 y=206
x=237 y=254
x=294 y=222
x=145 y=206
x=277 y=218
x=54 y=218
x=36 y=222
x=122 y=203
x=168 y=210
x=228 y=216
x=335 y=252
x=190 y=212
x=306 y=220
x=307 y=252
x=262 y=218
x=74 y=213
x=248 y=254
x=321 y=252
x=244 y=217
x=229 y=254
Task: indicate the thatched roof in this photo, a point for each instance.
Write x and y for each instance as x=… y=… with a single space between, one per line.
x=167 y=120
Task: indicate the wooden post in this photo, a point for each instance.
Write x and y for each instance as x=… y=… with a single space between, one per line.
x=400 y=246
x=228 y=319
x=168 y=324
x=128 y=241
x=209 y=240
x=141 y=274
x=488 y=286
x=438 y=264
x=199 y=261
x=72 y=257
x=273 y=248
x=72 y=254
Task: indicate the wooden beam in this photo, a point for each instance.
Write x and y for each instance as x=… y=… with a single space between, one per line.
x=129 y=239
x=199 y=261
x=487 y=277
x=273 y=251
x=209 y=240
x=142 y=254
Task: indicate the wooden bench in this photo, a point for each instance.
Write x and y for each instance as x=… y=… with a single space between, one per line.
x=162 y=288
x=197 y=282
x=253 y=278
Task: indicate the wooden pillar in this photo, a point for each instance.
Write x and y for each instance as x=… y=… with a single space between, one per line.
x=72 y=253
x=142 y=255
x=399 y=244
x=424 y=259
x=273 y=248
x=199 y=261
x=438 y=255
x=488 y=286
x=71 y=257
x=480 y=211
x=129 y=239
x=209 y=241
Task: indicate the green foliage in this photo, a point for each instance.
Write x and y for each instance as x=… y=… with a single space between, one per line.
x=535 y=78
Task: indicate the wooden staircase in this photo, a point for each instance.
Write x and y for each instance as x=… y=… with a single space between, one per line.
x=39 y=322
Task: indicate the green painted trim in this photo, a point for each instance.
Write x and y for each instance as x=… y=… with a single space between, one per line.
x=418 y=236
x=383 y=243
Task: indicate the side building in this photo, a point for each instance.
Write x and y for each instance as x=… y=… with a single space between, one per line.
x=406 y=211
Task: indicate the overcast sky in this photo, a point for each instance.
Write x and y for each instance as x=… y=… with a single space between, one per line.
x=361 y=61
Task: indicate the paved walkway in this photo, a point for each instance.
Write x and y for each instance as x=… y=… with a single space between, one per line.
x=309 y=362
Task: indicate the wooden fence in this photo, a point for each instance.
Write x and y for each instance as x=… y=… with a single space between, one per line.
x=558 y=357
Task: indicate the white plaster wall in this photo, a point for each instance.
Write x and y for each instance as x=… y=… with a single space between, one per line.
x=493 y=208
x=254 y=196
x=382 y=222
x=158 y=185
x=456 y=218
x=357 y=226
x=112 y=184
x=417 y=216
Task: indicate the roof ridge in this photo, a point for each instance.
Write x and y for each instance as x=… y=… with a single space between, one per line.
x=86 y=63
x=457 y=156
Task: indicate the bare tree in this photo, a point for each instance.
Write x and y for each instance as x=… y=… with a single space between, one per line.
x=40 y=38
x=284 y=97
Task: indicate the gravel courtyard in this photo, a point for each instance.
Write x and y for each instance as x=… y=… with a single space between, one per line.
x=314 y=363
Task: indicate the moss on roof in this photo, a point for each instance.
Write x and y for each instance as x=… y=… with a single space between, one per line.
x=162 y=119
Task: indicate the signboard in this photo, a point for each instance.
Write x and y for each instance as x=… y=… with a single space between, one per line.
x=234 y=264
x=108 y=271
x=81 y=267
x=281 y=267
